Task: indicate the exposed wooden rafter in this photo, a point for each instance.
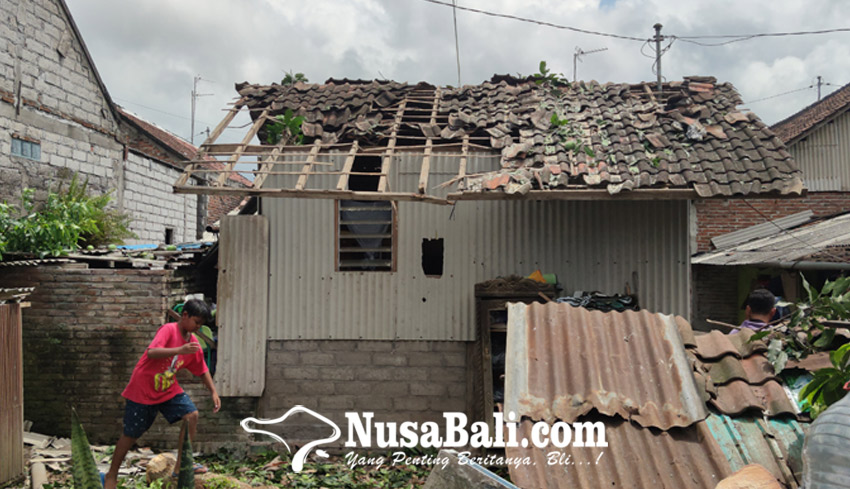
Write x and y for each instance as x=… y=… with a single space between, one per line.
x=342 y=184
x=231 y=163
x=429 y=146
x=228 y=118
x=308 y=166
x=388 y=154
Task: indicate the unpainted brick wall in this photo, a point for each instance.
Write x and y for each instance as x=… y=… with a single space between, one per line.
x=84 y=333
x=715 y=296
x=721 y=216
x=397 y=380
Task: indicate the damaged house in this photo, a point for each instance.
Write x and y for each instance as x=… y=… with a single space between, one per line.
x=353 y=289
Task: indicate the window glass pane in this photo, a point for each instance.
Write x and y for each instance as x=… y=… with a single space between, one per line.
x=16 y=146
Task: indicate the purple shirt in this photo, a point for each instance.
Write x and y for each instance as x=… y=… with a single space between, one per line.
x=754 y=325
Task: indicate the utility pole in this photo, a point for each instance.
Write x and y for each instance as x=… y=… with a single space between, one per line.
x=195 y=96
x=658 y=39
x=577 y=57
x=820 y=82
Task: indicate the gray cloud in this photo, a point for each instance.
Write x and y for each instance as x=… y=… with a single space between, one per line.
x=147 y=52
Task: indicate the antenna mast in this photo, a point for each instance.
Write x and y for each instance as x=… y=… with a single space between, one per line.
x=195 y=96
x=579 y=53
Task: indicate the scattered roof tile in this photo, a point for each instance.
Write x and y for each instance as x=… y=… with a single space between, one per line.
x=665 y=142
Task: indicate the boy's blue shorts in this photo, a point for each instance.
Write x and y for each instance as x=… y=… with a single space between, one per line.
x=139 y=417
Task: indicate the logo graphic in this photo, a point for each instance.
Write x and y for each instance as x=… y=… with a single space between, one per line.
x=455 y=433
x=301 y=455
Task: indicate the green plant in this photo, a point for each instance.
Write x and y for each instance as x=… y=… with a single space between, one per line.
x=86 y=475
x=68 y=219
x=293 y=78
x=806 y=331
x=186 y=476
x=286 y=128
x=546 y=77
x=569 y=136
x=827 y=386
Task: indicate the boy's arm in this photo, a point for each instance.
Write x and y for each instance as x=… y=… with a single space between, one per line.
x=206 y=378
x=186 y=349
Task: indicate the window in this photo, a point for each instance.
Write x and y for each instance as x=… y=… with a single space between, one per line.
x=169 y=236
x=432 y=257
x=26 y=149
x=365 y=229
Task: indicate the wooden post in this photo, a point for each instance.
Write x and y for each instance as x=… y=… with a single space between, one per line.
x=461 y=172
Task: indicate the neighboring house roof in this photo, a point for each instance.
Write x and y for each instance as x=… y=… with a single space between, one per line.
x=812 y=241
x=182 y=149
x=799 y=125
x=580 y=136
x=645 y=363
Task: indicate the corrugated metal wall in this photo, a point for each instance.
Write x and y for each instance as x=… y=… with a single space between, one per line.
x=11 y=394
x=590 y=245
x=242 y=305
x=824 y=156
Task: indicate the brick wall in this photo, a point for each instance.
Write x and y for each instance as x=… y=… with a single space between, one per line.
x=397 y=380
x=84 y=333
x=715 y=296
x=717 y=216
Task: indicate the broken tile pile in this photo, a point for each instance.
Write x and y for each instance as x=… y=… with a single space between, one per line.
x=573 y=136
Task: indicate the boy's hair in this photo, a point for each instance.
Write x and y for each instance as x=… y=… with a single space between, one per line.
x=197 y=308
x=761 y=301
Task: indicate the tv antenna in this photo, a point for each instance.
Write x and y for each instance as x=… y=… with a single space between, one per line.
x=579 y=53
x=195 y=96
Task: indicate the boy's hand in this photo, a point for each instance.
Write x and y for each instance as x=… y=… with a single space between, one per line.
x=189 y=348
x=216 y=402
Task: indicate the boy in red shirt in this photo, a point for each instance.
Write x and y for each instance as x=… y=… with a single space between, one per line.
x=153 y=386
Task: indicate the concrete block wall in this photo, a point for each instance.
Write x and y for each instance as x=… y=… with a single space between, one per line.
x=84 y=333
x=149 y=199
x=32 y=33
x=397 y=380
x=721 y=216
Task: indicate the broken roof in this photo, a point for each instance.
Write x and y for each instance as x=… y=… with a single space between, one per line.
x=633 y=360
x=823 y=240
x=688 y=141
x=801 y=124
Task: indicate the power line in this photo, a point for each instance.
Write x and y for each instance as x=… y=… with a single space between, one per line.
x=538 y=22
x=779 y=95
x=157 y=110
x=690 y=39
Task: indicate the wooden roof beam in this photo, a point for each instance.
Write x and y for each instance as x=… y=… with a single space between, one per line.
x=231 y=163
x=305 y=171
x=429 y=144
x=342 y=184
x=388 y=154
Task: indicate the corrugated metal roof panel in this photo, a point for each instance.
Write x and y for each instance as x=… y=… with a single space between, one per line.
x=775 y=445
x=784 y=246
x=762 y=230
x=563 y=361
x=755 y=369
x=243 y=295
x=635 y=458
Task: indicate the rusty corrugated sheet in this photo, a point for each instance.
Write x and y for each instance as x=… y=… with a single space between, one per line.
x=243 y=285
x=635 y=458
x=11 y=394
x=755 y=369
x=563 y=361
x=715 y=344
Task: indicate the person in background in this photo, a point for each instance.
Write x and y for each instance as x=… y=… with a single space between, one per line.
x=761 y=307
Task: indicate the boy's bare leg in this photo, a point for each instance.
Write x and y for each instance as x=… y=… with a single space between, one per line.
x=192 y=421
x=121 y=448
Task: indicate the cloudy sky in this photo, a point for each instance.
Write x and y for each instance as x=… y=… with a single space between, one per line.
x=148 y=51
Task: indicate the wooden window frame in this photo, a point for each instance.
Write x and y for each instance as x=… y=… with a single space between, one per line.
x=393 y=246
